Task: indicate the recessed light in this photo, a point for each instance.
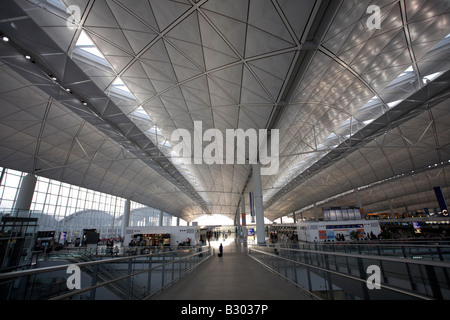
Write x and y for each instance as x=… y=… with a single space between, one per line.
x=28 y=57
x=5 y=38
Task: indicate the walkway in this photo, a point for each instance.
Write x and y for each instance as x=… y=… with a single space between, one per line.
x=235 y=276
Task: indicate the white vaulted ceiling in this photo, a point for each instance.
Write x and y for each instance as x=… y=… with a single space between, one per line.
x=355 y=107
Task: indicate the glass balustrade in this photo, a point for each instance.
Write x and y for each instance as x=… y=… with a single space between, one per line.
x=341 y=275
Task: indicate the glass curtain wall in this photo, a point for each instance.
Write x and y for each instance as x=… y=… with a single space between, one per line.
x=68 y=209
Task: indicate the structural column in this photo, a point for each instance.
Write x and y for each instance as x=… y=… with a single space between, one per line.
x=126 y=217
x=26 y=192
x=257 y=190
x=441 y=199
x=244 y=222
x=358 y=201
x=161 y=218
x=391 y=208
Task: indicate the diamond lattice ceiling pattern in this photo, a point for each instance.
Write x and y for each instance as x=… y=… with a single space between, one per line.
x=355 y=107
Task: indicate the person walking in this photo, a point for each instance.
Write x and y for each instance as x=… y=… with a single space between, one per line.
x=220 y=250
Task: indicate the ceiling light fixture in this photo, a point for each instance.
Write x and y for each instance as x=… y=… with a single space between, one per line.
x=5 y=38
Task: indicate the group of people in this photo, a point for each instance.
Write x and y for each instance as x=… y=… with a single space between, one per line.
x=215 y=235
x=288 y=236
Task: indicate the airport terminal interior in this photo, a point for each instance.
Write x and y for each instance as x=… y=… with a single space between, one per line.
x=224 y=150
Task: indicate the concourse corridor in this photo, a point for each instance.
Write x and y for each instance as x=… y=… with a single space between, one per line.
x=235 y=276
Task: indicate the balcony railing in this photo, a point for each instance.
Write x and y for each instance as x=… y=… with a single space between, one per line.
x=132 y=277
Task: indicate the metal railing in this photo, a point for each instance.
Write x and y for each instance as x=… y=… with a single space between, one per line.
x=336 y=275
x=426 y=251
x=122 y=278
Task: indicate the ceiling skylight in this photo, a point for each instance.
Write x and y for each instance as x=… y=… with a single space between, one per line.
x=431 y=77
x=86 y=44
x=118 y=84
x=89 y=50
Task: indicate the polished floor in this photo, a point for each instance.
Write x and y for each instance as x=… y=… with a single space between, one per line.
x=235 y=276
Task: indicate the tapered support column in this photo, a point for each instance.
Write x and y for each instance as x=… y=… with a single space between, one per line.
x=259 y=210
x=126 y=216
x=360 y=205
x=391 y=208
x=26 y=192
x=244 y=221
x=441 y=199
x=161 y=218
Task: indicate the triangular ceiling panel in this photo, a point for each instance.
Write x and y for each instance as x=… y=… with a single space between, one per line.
x=186 y=38
x=252 y=90
x=184 y=68
x=101 y=16
x=272 y=71
x=229 y=79
x=216 y=51
x=166 y=12
x=264 y=16
x=218 y=96
x=228 y=117
x=142 y=10
x=260 y=42
x=139 y=39
x=233 y=30
x=117 y=47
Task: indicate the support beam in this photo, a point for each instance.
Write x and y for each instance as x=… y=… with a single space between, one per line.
x=26 y=192
x=259 y=211
x=161 y=218
x=359 y=203
x=126 y=217
x=244 y=222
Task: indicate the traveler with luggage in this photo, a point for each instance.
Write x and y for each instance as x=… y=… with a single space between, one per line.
x=220 y=250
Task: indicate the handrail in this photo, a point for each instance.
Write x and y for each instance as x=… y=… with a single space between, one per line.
x=20 y=273
x=172 y=281
x=363 y=244
x=303 y=290
x=442 y=264
x=343 y=275
x=429 y=252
